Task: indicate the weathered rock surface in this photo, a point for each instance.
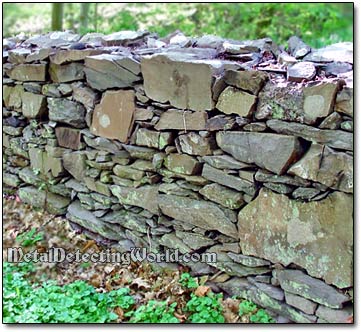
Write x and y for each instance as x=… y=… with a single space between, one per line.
x=106 y=71
x=336 y=52
x=145 y=197
x=185 y=83
x=153 y=139
x=228 y=198
x=224 y=162
x=251 y=81
x=202 y=214
x=299 y=283
x=227 y=180
x=337 y=139
x=66 y=111
x=196 y=145
x=335 y=316
x=74 y=163
x=29 y=72
x=68 y=137
x=301 y=303
x=182 y=120
x=269 y=151
x=34 y=105
x=182 y=163
x=283 y=227
x=72 y=55
x=234 y=101
x=301 y=71
x=327 y=166
x=114 y=116
x=66 y=73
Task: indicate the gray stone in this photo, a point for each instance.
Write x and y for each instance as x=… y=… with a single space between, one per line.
x=124 y=38
x=73 y=55
x=308 y=234
x=344 y=101
x=18 y=55
x=184 y=82
x=279 y=187
x=336 y=52
x=75 y=164
x=39 y=55
x=11 y=180
x=68 y=138
x=104 y=144
x=337 y=67
x=227 y=180
x=145 y=197
x=235 y=286
x=221 y=122
x=335 y=316
x=251 y=81
x=195 y=144
x=182 y=163
x=347 y=125
x=327 y=166
x=139 y=152
x=333 y=121
x=305 y=193
x=51 y=90
x=234 y=101
x=173 y=242
x=29 y=72
x=255 y=127
x=299 y=283
x=84 y=95
x=297 y=47
x=224 y=162
x=128 y=172
x=272 y=291
x=182 y=120
x=248 y=260
x=301 y=71
x=203 y=214
x=228 y=198
x=79 y=215
x=53 y=203
x=66 y=111
x=337 y=139
x=66 y=73
x=111 y=71
x=194 y=241
x=301 y=303
x=53 y=39
x=269 y=151
x=153 y=139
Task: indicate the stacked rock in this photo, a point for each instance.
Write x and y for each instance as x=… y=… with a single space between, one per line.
x=204 y=145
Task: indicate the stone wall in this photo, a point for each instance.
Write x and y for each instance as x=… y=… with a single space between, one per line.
x=204 y=145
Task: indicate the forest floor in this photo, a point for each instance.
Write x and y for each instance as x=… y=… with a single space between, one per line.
x=34 y=229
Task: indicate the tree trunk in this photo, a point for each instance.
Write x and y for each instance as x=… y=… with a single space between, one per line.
x=57 y=17
x=84 y=12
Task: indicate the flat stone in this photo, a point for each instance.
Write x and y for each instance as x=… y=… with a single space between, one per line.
x=66 y=111
x=182 y=163
x=347 y=125
x=251 y=81
x=182 y=120
x=297 y=47
x=68 y=137
x=84 y=95
x=143 y=114
x=79 y=215
x=145 y=197
x=337 y=139
x=299 y=283
x=269 y=151
x=224 y=162
x=194 y=241
x=106 y=71
x=248 y=260
x=39 y=55
x=202 y=214
x=66 y=73
x=255 y=127
x=301 y=71
x=335 y=316
x=128 y=172
x=333 y=121
x=107 y=165
x=336 y=52
x=234 y=101
x=11 y=180
x=34 y=105
x=72 y=55
x=76 y=186
x=305 y=193
x=53 y=203
x=104 y=144
x=184 y=82
x=271 y=291
x=228 y=198
x=220 y=122
x=234 y=286
x=221 y=177
x=139 y=152
x=29 y=72
x=124 y=38
x=74 y=163
x=279 y=187
x=327 y=166
x=301 y=303
x=196 y=145
x=307 y=234
x=173 y=242
x=337 y=67
x=319 y=101
x=113 y=117
x=153 y=139
x=18 y=55
x=51 y=90
x=344 y=101
x=15 y=97
x=53 y=39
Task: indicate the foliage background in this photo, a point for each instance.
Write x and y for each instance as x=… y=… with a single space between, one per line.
x=317 y=24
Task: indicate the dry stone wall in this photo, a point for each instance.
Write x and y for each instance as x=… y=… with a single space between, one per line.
x=202 y=145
